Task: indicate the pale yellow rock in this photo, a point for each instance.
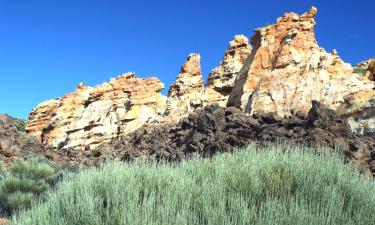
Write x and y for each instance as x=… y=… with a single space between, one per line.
x=221 y=79
x=93 y=115
x=186 y=93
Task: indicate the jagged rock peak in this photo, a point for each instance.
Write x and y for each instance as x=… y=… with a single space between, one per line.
x=93 y=115
x=287 y=70
x=186 y=93
x=221 y=79
x=190 y=76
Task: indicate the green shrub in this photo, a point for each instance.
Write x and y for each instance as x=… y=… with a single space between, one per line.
x=20 y=125
x=271 y=186
x=360 y=71
x=24 y=181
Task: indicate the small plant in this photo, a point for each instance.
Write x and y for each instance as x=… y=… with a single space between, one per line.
x=25 y=181
x=32 y=140
x=360 y=71
x=20 y=125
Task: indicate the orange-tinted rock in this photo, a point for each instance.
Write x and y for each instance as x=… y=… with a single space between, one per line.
x=221 y=79
x=41 y=116
x=186 y=93
x=90 y=116
x=287 y=70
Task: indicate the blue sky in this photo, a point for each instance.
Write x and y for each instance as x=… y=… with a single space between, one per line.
x=48 y=47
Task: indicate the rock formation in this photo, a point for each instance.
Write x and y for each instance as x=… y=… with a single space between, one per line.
x=221 y=79
x=91 y=116
x=284 y=72
x=359 y=109
x=41 y=116
x=186 y=93
x=287 y=70
x=366 y=69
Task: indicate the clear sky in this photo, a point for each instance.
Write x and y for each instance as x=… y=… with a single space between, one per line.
x=48 y=47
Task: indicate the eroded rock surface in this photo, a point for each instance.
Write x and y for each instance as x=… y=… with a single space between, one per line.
x=221 y=79
x=359 y=109
x=92 y=115
x=287 y=70
x=186 y=93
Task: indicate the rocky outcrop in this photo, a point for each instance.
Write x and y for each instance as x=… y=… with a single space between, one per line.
x=284 y=72
x=359 y=109
x=90 y=116
x=186 y=93
x=215 y=129
x=41 y=116
x=366 y=69
x=287 y=70
x=221 y=79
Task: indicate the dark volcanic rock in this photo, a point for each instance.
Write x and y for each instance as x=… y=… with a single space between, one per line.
x=14 y=142
x=215 y=129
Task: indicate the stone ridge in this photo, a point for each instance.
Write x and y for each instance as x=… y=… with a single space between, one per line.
x=283 y=73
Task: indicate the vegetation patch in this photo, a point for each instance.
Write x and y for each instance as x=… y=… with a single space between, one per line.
x=274 y=185
x=360 y=71
x=24 y=182
x=20 y=125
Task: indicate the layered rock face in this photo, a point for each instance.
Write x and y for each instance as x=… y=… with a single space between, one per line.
x=91 y=116
x=41 y=116
x=221 y=79
x=186 y=93
x=287 y=70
